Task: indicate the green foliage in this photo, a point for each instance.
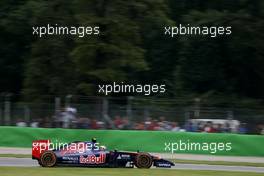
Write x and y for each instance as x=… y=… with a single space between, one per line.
x=116 y=54
x=229 y=64
x=131 y=47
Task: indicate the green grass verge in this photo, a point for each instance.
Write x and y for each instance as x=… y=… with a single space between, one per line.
x=22 y=171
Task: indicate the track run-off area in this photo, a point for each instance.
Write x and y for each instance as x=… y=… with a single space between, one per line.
x=28 y=162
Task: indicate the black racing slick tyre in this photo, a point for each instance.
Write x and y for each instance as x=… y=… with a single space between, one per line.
x=143 y=160
x=48 y=159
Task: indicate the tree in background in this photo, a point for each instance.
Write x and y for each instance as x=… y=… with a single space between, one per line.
x=14 y=45
x=49 y=68
x=116 y=54
x=227 y=64
x=131 y=47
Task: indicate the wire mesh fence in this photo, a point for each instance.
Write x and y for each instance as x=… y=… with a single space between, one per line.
x=107 y=112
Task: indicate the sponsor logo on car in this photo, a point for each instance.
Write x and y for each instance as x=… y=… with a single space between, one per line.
x=70 y=158
x=163 y=165
x=92 y=159
x=123 y=156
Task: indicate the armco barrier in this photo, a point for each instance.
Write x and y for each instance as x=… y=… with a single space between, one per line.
x=149 y=141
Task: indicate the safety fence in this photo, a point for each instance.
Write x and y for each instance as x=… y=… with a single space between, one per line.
x=48 y=111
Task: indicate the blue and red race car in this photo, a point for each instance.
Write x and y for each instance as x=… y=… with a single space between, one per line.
x=89 y=154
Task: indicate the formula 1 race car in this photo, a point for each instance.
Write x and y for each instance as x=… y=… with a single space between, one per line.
x=90 y=154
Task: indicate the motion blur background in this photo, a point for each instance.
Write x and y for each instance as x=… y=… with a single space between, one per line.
x=52 y=81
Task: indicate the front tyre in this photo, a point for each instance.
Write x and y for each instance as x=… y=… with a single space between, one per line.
x=48 y=159
x=143 y=160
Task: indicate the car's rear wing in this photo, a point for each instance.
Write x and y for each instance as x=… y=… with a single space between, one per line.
x=38 y=147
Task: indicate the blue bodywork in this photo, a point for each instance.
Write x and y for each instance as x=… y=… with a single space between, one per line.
x=93 y=156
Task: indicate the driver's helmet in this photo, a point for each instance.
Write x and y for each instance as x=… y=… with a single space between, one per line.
x=94 y=140
x=102 y=147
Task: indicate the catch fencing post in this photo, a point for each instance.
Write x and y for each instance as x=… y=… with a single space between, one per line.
x=105 y=107
x=7 y=110
x=68 y=100
x=105 y=115
x=57 y=104
x=129 y=107
x=26 y=113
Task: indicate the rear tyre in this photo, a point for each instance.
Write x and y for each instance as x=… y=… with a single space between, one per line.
x=143 y=160
x=48 y=159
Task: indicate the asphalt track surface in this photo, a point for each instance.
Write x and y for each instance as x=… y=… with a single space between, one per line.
x=28 y=162
x=27 y=151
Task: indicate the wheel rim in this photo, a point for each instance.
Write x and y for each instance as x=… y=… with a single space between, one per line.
x=48 y=160
x=144 y=161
